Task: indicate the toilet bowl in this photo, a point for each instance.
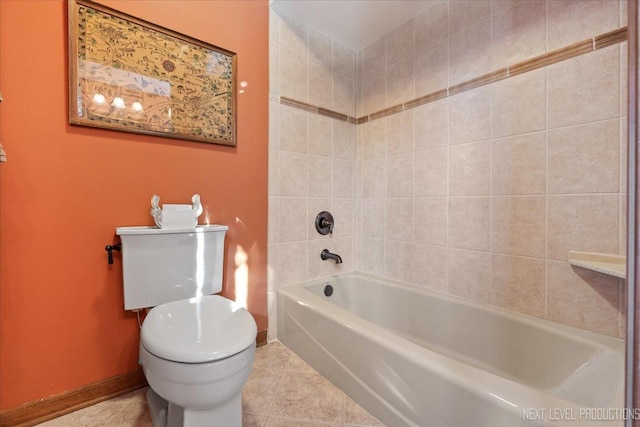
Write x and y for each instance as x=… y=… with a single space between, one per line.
x=196 y=355
x=196 y=349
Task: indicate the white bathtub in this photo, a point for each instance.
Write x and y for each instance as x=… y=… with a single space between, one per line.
x=417 y=358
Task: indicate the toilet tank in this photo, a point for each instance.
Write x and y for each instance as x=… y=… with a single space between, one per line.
x=161 y=265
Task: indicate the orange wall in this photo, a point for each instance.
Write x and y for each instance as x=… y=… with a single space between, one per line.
x=64 y=189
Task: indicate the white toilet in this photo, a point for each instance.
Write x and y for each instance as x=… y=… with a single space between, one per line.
x=196 y=348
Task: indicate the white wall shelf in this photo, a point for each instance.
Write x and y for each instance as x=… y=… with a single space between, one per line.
x=613 y=265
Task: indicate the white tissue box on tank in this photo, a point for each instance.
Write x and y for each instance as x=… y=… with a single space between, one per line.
x=178 y=216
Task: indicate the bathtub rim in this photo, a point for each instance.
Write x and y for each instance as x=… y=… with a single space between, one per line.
x=614 y=344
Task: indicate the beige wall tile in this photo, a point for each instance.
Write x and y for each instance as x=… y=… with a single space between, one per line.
x=292 y=225
x=430 y=221
x=320 y=134
x=343 y=178
x=272 y=329
x=464 y=14
x=374 y=178
x=582 y=223
x=343 y=246
x=374 y=92
x=357 y=259
x=398 y=260
x=624 y=12
x=293 y=77
x=518 y=284
x=344 y=144
x=518 y=33
x=470 y=53
x=320 y=85
x=519 y=104
x=399 y=220
x=358 y=94
x=273 y=212
x=292 y=263
x=399 y=130
x=431 y=173
x=519 y=165
x=343 y=215
x=470 y=275
x=358 y=158
x=400 y=82
x=274 y=172
x=373 y=256
x=374 y=58
x=432 y=125
x=343 y=60
x=430 y=267
x=432 y=69
x=469 y=223
x=400 y=43
x=623 y=79
x=582 y=298
x=470 y=116
x=274 y=124
x=571 y=21
x=293 y=174
x=584 y=89
x=320 y=49
x=518 y=226
x=499 y=6
x=400 y=176
x=584 y=159
x=293 y=129
x=274 y=69
x=373 y=218
x=374 y=139
x=293 y=37
x=343 y=95
x=470 y=169
x=622 y=246
x=274 y=28
x=431 y=25
x=319 y=176
x=624 y=149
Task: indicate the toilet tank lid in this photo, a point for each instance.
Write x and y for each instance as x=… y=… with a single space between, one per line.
x=198 y=330
x=139 y=230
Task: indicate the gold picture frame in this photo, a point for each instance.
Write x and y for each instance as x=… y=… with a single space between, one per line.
x=129 y=75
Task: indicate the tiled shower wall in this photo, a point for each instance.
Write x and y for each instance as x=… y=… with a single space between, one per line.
x=482 y=194
x=311 y=157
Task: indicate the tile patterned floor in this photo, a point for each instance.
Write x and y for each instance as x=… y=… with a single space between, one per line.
x=282 y=391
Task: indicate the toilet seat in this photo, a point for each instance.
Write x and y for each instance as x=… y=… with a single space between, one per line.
x=198 y=330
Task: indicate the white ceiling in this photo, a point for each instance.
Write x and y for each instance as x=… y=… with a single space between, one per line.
x=356 y=23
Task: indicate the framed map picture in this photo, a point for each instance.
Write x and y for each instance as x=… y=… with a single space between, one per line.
x=129 y=75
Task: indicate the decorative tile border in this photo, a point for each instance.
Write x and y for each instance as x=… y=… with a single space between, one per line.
x=553 y=57
x=483 y=80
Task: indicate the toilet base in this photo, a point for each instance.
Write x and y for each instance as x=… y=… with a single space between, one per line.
x=158 y=408
x=166 y=414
